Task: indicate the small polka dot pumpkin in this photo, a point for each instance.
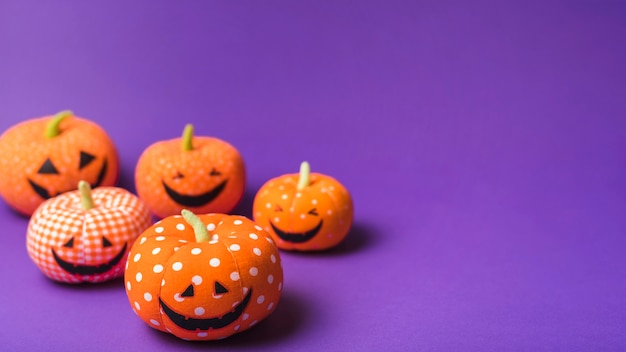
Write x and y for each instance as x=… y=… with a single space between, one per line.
x=203 y=277
x=305 y=211
x=43 y=157
x=203 y=174
x=85 y=235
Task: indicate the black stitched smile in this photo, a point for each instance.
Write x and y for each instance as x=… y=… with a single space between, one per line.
x=193 y=324
x=197 y=200
x=297 y=237
x=43 y=193
x=79 y=269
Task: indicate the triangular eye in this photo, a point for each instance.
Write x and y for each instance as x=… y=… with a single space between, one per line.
x=48 y=168
x=188 y=292
x=70 y=243
x=278 y=208
x=219 y=289
x=313 y=212
x=105 y=242
x=85 y=159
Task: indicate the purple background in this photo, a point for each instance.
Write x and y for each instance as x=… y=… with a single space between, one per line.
x=484 y=146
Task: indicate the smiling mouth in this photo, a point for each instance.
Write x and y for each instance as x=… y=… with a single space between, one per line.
x=193 y=324
x=43 y=193
x=197 y=200
x=78 y=269
x=297 y=237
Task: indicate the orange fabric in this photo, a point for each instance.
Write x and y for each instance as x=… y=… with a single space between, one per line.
x=167 y=266
x=24 y=149
x=213 y=166
x=315 y=218
x=60 y=231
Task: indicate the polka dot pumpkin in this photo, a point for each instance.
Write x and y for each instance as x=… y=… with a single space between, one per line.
x=44 y=157
x=203 y=277
x=203 y=174
x=85 y=235
x=305 y=211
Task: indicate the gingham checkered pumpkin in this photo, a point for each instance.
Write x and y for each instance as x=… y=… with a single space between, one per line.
x=71 y=244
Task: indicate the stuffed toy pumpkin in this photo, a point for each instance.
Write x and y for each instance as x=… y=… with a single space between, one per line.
x=41 y=158
x=85 y=235
x=203 y=174
x=203 y=277
x=305 y=211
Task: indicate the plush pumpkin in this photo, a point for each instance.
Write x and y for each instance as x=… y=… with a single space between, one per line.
x=203 y=174
x=85 y=235
x=43 y=157
x=305 y=211
x=203 y=277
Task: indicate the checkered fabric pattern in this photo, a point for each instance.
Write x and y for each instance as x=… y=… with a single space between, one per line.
x=70 y=244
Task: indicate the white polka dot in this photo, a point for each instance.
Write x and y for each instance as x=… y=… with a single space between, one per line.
x=176 y=249
x=196 y=280
x=246 y=316
x=234 y=276
x=260 y=299
x=156 y=251
x=212 y=242
x=245 y=290
x=159 y=229
x=237 y=222
x=177 y=266
x=138 y=277
x=214 y=262
x=178 y=298
x=314 y=201
x=298 y=195
x=273 y=258
x=215 y=237
x=196 y=251
x=198 y=311
x=270 y=279
x=257 y=251
x=142 y=240
x=137 y=257
x=203 y=334
x=128 y=285
x=154 y=322
x=276 y=219
x=253 y=323
x=254 y=271
x=137 y=306
x=147 y=296
x=329 y=212
x=180 y=227
x=210 y=226
x=268 y=205
x=234 y=247
x=280 y=286
x=159 y=238
x=236 y=327
x=162 y=282
x=284 y=196
x=259 y=228
x=270 y=306
x=157 y=268
x=254 y=236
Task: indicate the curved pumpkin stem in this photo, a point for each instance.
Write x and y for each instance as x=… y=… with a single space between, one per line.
x=53 y=128
x=86 y=201
x=200 y=230
x=187 y=137
x=305 y=173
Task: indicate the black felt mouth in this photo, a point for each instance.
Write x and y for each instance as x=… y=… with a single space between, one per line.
x=197 y=200
x=77 y=269
x=193 y=324
x=43 y=193
x=297 y=237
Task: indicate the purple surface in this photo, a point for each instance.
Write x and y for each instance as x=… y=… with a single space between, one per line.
x=483 y=145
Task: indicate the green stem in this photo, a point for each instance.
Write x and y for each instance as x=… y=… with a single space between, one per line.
x=305 y=173
x=53 y=128
x=187 y=137
x=86 y=201
x=202 y=234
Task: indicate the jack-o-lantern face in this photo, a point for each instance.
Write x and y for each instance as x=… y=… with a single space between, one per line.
x=71 y=243
x=44 y=157
x=203 y=174
x=203 y=287
x=306 y=211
